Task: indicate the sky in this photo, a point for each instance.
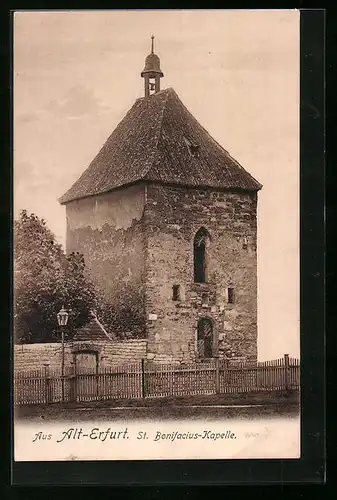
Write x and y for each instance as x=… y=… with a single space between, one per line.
x=77 y=73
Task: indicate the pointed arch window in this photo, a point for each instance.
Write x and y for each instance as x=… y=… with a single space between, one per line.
x=201 y=244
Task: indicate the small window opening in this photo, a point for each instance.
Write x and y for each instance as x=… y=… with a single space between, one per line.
x=176 y=292
x=193 y=148
x=204 y=299
x=245 y=243
x=231 y=295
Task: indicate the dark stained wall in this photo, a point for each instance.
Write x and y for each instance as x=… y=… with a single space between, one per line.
x=172 y=217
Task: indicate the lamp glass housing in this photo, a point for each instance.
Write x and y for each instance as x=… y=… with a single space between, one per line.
x=62 y=317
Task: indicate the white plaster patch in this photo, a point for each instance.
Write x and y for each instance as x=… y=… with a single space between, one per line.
x=153 y=317
x=107 y=208
x=232 y=313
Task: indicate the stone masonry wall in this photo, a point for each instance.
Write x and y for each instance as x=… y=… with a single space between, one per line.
x=35 y=356
x=107 y=230
x=138 y=243
x=172 y=217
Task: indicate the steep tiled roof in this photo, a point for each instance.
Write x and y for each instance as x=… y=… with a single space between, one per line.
x=155 y=141
x=92 y=331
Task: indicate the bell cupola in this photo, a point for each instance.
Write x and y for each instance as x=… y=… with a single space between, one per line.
x=152 y=72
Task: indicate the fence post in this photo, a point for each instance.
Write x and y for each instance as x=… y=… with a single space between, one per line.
x=73 y=383
x=47 y=386
x=217 y=375
x=286 y=371
x=143 y=379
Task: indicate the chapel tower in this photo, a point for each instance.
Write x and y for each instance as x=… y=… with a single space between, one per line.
x=167 y=222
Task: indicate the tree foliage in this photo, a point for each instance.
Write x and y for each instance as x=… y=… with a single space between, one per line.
x=124 y=316
x=45 y=279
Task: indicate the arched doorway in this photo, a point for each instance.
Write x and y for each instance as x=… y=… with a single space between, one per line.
x=205 y=338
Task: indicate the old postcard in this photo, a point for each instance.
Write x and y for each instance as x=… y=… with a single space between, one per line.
x=156 y=235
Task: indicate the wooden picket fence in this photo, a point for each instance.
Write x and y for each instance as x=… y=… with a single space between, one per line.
x=146 y=379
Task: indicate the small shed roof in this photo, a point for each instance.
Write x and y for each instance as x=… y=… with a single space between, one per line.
x=93 y=330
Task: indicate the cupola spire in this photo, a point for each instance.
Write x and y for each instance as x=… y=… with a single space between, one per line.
x=152 y=72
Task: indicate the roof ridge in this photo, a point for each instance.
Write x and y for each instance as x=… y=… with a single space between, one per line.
x=231 y=157
x=147 y=170
x=217 y=143
x=241 y=167
x=114 y=132
x=96 y=320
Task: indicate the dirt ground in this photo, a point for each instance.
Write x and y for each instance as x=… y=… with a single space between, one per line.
x=241 y=406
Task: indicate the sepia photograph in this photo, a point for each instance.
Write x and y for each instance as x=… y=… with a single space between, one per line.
x=156 y=234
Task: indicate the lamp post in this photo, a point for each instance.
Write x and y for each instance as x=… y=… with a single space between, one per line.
x=62 y=319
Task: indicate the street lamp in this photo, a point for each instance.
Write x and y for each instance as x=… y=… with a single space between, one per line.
x=62 y=319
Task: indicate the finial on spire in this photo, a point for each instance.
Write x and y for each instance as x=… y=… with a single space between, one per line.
x=152 y=72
